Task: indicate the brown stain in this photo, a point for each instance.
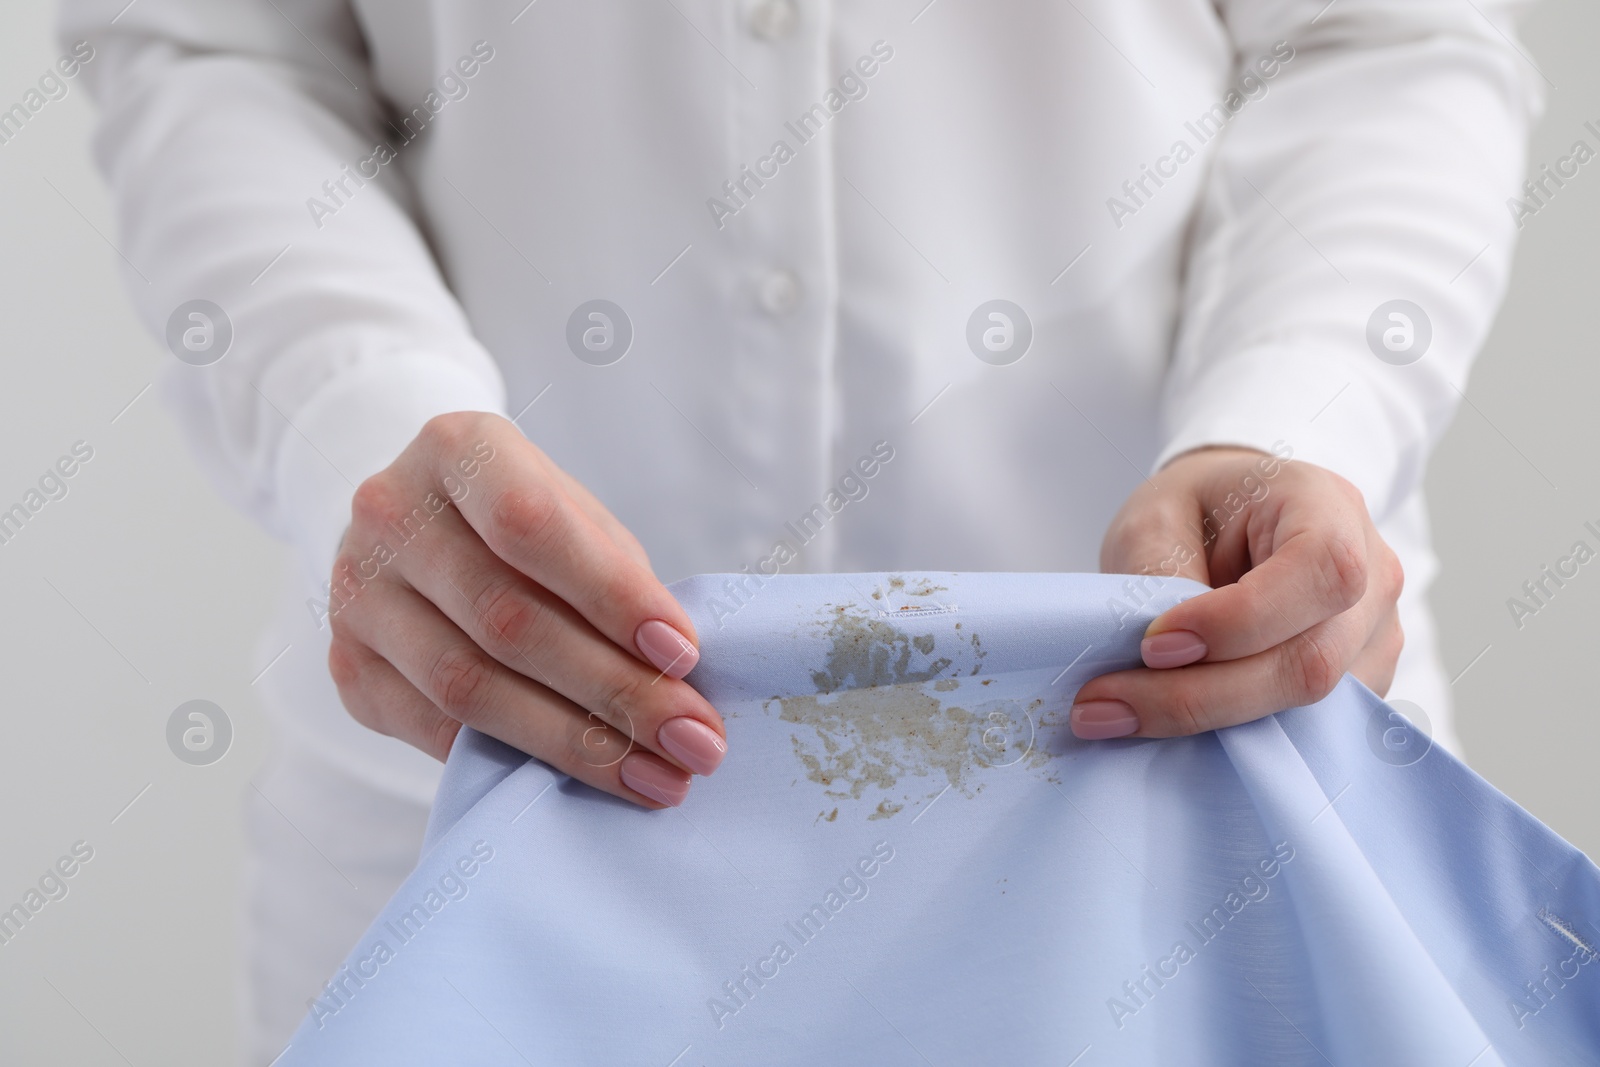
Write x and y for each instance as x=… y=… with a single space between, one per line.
x=886 y=810
x=918 y=587
x=873 y=721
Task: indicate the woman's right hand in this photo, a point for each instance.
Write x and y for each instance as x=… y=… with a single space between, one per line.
x=481 y=585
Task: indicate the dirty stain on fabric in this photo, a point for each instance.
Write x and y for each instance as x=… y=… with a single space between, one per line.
x=886 y=809
x=917 y=587
x=885 y=717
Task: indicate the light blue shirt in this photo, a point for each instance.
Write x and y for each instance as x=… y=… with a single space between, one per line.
x=908 y=859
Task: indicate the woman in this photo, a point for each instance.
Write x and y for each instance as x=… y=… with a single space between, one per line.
x=1166 y=287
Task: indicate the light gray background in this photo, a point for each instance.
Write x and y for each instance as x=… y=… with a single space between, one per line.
x=141 y=590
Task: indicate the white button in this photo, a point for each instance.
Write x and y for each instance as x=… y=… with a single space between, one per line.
x=780 y=292
x=772 y=20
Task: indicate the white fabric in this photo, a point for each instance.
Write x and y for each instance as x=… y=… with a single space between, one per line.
x=324 y=851
x=774 y=349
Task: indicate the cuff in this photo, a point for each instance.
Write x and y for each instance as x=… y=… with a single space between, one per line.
x=354 y=427
x=1328 y=413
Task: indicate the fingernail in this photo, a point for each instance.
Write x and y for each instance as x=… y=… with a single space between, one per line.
x=1174 y=648
x=654 y=779
x=669 y=650
x=1098 y=720
x=693 y=744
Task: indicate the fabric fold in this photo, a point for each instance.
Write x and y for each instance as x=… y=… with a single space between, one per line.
x=907 y=858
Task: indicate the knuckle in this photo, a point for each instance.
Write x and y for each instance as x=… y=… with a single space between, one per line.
x=1315 y=669
x=1344 y=570
x=440 y=735
x=508 y=611
x=621 y=703
x=459 y=682
x=376 y=500
x=1187 y=713
x=344 y=665
x=594 y=744
x=524 y=517
x=447 y=430
x=1394 y=575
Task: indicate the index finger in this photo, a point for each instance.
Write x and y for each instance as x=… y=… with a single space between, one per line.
x=527 y=518
x=1318 y=571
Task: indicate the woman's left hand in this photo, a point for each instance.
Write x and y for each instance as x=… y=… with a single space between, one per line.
x=1304 y=590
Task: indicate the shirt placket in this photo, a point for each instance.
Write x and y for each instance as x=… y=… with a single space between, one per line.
x=782 y=240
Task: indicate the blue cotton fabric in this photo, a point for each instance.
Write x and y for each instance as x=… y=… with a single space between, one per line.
x=908 y=859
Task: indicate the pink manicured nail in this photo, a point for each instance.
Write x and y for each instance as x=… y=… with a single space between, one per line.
x=1175 y=648
x=692 y=743
x=669 y=650
x=1098 y=720
x=654 y=779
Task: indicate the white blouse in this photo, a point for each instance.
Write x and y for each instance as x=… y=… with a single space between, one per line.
x=713 y=256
